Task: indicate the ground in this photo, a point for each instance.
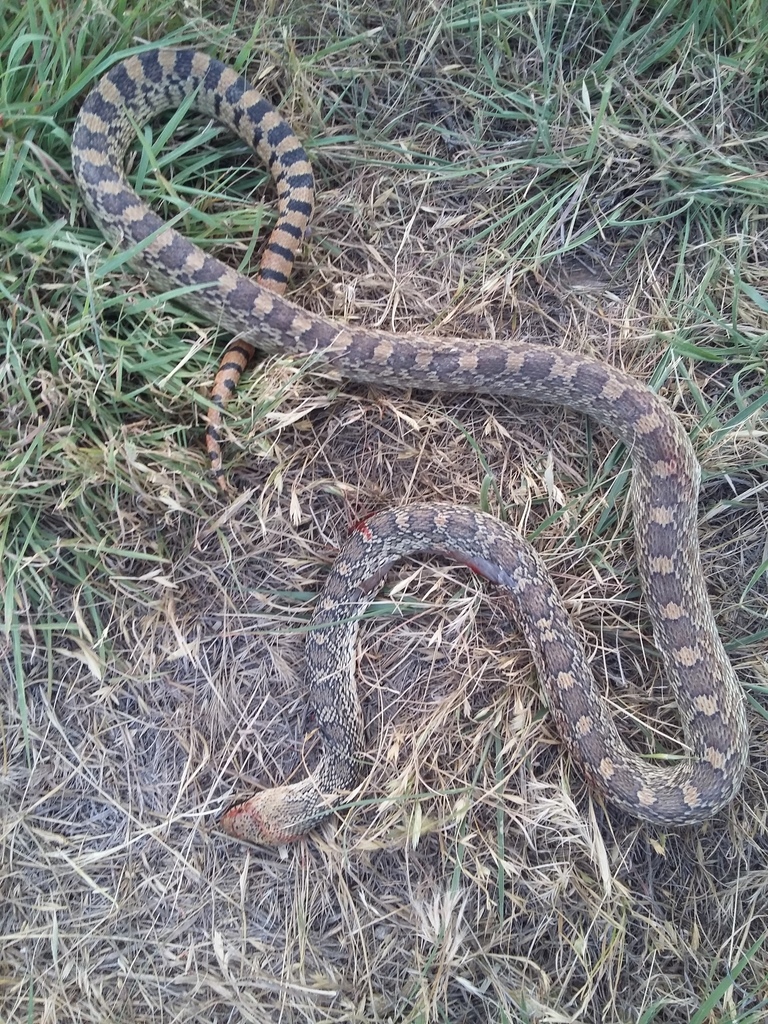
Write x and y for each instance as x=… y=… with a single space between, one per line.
x=592 y=177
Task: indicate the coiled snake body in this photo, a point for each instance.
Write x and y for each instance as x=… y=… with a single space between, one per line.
x=664 y=485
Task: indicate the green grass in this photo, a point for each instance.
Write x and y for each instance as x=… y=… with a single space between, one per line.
x=590 y=175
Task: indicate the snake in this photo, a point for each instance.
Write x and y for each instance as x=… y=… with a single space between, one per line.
x=664 y=488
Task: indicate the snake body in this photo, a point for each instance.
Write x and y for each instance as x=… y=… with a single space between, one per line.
x=664 y=485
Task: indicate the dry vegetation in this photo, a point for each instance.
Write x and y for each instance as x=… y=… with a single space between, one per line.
x=593 y=176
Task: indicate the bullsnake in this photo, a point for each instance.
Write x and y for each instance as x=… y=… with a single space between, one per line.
x=664 y=486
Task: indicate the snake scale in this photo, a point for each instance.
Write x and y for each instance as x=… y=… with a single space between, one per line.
x=664 y=484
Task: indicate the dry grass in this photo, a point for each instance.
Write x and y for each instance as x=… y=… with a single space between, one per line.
x=589 y=176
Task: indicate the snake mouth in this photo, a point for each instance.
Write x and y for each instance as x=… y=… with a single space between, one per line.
x=241 y=823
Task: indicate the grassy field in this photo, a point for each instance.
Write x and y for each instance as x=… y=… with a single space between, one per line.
x=592 y=176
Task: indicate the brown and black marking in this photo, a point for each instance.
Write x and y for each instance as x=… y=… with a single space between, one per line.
x=156 y=80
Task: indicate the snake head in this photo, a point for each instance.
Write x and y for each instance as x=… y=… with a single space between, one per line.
x=280 y=815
